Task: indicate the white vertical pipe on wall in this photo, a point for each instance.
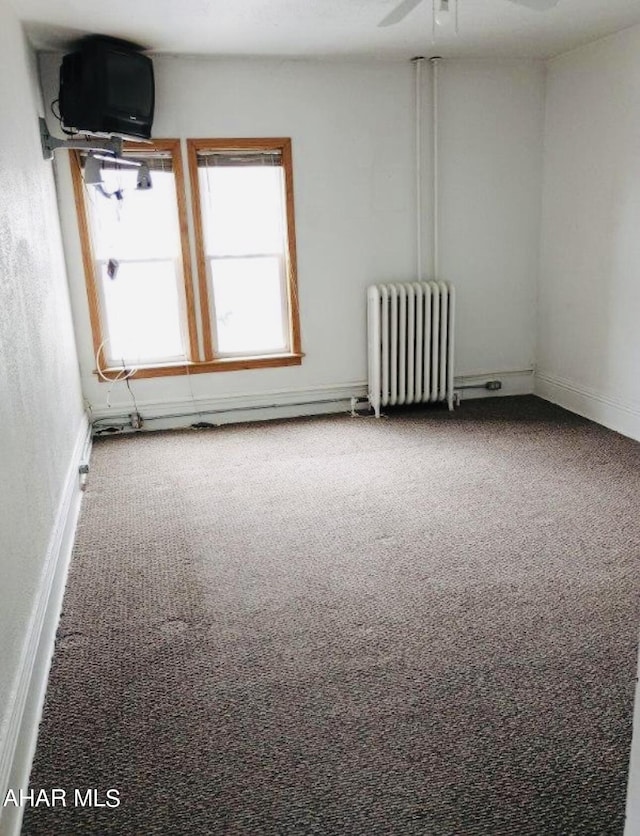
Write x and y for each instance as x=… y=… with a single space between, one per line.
x=418 y=77
x=435 y=275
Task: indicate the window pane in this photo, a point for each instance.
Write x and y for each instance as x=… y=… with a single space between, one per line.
x=243 y=209
x=249 y=304
x=142 y=313
x=144 y=224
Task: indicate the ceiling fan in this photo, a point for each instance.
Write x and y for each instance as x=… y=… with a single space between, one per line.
x=406 y=6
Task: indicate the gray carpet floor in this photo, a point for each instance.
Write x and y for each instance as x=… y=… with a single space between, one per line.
x=420 y=625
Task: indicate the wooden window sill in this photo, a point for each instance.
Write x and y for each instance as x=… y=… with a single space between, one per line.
x=231 y=364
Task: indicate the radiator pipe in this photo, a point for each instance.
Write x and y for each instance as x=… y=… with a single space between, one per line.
x=122 y=422
x=83 y=467
x=436 y=179
x=418 y=78
x=491 y=385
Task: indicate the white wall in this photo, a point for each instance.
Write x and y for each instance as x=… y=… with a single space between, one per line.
x=588 y=334
x=41 y=411
x=353 y=131
x=491 y=173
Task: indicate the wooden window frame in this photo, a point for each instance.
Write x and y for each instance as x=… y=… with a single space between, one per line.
x=283 y=145
x=196 y=364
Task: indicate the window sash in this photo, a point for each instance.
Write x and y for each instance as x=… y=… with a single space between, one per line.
x=284 y=345
x=167 y=151
x=109 y=219
x=236 y=226
x=203 y=152
x=106 y=355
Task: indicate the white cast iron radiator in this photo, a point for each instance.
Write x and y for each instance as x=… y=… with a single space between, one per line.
x=411 y=331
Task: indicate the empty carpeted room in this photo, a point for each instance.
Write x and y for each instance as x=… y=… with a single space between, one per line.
x=320 y=409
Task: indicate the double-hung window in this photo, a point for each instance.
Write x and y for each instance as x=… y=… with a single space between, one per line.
x=135 y=258
x=243 y=209
x=149 y=313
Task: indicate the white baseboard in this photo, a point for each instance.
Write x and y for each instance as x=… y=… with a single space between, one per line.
x=290 y=403
x=513 y=383
x=632 y=818
x=19 y=744
x=227 y=409
x=614 y=413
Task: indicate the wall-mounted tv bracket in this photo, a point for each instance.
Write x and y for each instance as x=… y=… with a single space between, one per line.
x=50 y=143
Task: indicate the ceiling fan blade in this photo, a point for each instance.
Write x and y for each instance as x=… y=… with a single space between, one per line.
x=537 y=5
x=400 y=12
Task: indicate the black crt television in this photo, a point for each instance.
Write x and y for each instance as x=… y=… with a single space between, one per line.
x=107 y=87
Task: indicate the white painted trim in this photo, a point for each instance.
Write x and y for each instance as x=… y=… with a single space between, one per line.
x=225 y=409
x=287 y=403
x=18 y=746
x=519 y=382
x=632 y=816
x=614 y=413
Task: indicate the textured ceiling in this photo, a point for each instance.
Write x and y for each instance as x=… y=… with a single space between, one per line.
x=326 y=27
